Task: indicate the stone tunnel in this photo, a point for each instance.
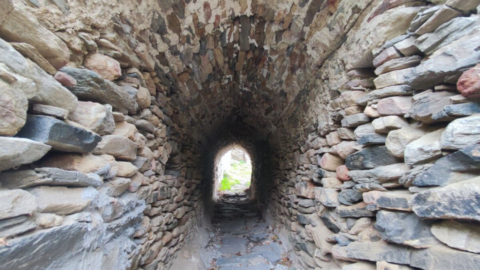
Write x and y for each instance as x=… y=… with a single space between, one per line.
x=361 y=119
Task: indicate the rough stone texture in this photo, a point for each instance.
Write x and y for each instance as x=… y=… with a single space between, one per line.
x=405 y=228
x=13 y=109
x=16 y=202
x=96 y=117
x=460 y=165
x=424 y=148
x=105 y=66
x=380 y=174
x=468 y=84
x=461 y=133
x=370 y=158
x=395 y=200
x=50 y=111
x=443 y=258
x=455 y=201
x=18 y=151
x=42 y=88
x=92 y=87
x=50 y=177
x=394 y=105
x=457 y=234
x=62 y=200
x=58 y=134
x=379 y=251
x=330 y=162
x=382 y=265
x=117 y=146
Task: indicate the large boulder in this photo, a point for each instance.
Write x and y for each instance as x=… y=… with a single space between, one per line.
x=455 y=201
x=18 y=151
x=92 y=87
x=60 y=135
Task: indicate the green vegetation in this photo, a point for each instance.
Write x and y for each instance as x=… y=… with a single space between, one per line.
x=237 y=176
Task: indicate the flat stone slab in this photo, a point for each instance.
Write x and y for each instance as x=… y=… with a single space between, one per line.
x=233 y=245
x=18 y=151
x=59 y=134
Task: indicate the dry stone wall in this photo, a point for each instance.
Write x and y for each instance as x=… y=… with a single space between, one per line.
x=363 y=113
x=386 y=178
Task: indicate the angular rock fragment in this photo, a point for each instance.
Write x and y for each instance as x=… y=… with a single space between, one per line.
x=95 y=116
x=355 y=120
x=458 y=234
x=455 y=201
x=397 y=140
x=105 y=66
x=356 y=210
x=397 y=64
x=16 y=202
x=370 y=158
x=461 y=133
x=427 y=104
x=58 y=134
x=62 y=200
x=405 y=229
x=379 y=251
x=458 y=166
x=443 y=258
x=92 y=87
x=15 y=226
x=396 y=90
x=57 y=112
x=424 y=148
x=18 y=151
x=327 y=196
x=395 y=200
x=381 y=174
x=48 y=176
x=117 y=146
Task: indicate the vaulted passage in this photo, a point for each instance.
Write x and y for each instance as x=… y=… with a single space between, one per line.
x=250 y=134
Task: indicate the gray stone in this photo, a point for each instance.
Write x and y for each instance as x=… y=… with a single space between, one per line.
x=15 y=226
x=57 y=112
x=379 y=251
x=455 y=201
x=63 y=200
x=369 y=158
x=424 y=148
x=455 y=167
x=48 y=176
x=427 y=104
x=394 y=200
x=451 y=112
x=407 y=47
x=329 y=220
x=422 y=16
x=18 y=151
x=356 y=210
x=399 y=63
x=461 y=133
x=441 y=16
x=443 y=258
x=381 y=174
x=15 y=203
x=92 y=87
x=464 y=5
x=396 y=90
x=369 y=187
x=389 y=266
x=58 y=134
x=458 y=234
x=405 y=229
x=355 y=120
x=327 y=196
x=349 y=197
x=446 y=34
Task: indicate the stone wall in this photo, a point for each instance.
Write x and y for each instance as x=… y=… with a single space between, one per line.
x=386 y=175
x=361 y=118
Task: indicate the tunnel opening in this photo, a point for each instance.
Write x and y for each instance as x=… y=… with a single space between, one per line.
x=233 y=172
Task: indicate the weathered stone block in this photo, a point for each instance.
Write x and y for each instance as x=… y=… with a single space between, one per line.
x=60 y=135
x=62 y=200
x=369 y=158
x=18 y=151
x=16 y=202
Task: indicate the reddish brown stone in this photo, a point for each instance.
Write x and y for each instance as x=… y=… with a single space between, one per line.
x=342 y=173
x=469 y=83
